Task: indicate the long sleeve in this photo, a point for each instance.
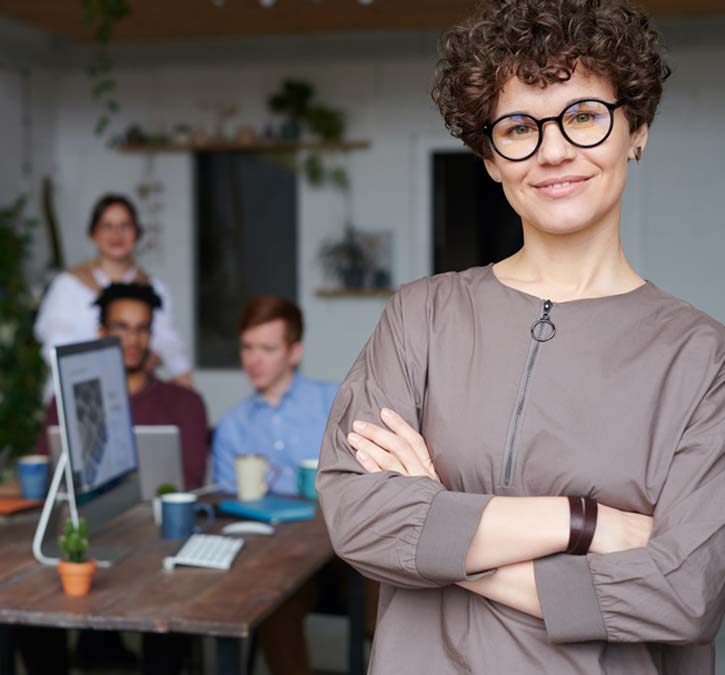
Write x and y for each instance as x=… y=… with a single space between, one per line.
x=65 y=315
x=224 y=450
x=166 y=341
x=672 y=591
x=406 y=531
x=191 y=416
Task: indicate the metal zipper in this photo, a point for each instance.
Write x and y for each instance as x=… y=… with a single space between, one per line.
x=542 y=330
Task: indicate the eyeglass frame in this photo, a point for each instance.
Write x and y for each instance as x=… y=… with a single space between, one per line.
x=611 y=107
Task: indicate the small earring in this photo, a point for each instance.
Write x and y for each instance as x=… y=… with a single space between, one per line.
x=638 y=153
x=496 y=177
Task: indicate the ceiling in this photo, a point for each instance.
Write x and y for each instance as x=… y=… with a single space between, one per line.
x=153 y=20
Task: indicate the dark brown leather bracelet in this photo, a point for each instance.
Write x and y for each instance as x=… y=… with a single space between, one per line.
x=588 y=528
x=576 y=522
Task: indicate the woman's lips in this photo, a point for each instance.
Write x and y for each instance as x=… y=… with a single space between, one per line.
x=561 y=188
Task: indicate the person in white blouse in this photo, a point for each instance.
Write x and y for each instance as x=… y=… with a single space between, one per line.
x=67 y=313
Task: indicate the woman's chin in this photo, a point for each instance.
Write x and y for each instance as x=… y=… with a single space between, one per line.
x=564 y=219
x=117 y=255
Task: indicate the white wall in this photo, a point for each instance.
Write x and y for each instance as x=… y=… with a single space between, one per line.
x=10 y=120
x=682 y=227
x=386 y=102
x=27 y=109
x=673 y=222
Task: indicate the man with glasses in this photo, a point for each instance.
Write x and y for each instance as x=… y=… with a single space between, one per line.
x=127 y=311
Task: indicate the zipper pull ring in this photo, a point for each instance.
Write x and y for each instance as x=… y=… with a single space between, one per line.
x=543 y=329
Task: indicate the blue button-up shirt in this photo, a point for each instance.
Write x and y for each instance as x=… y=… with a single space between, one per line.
x=286 y=434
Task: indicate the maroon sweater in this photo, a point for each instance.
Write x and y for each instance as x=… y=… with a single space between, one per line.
x=163 y=403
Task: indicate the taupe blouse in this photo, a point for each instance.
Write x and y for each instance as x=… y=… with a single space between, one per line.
x=625 y=403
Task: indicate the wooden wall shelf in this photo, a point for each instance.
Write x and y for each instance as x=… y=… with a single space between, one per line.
x=355 y=292
x=257 y=146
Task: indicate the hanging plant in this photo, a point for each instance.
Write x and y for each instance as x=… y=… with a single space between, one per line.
x=295 y=101
x=104 y=14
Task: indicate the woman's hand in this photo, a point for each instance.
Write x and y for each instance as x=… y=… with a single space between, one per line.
x=399 y=448
x=402 y=449
x=620 y=530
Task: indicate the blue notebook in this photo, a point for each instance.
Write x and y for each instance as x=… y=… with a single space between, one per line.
x=270 y=509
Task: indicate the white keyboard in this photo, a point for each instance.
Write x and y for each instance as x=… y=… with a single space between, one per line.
x=206 y=550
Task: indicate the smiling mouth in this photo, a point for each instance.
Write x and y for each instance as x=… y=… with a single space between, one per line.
x=561 y=188
x=566 y=183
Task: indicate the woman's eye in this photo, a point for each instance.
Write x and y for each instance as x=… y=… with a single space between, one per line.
x=584 y=117
x=519 y=130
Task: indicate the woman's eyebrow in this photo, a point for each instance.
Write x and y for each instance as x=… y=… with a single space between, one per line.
x=571 y=101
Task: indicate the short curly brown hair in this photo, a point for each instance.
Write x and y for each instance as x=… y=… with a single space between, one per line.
x=541 y=42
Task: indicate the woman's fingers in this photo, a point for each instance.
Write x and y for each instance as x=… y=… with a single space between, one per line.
x=414 y=440
x=368 y=463
x=373 y=457
x=394 y=444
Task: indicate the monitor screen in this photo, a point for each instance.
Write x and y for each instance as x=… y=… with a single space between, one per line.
x=95 y=414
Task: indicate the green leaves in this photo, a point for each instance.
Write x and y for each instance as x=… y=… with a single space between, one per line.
x=314 y=170
x=103 y=14
x=74 y=541
x=327 y=123
x=103 y=86
x=102 y=124
x=294 y=99
x=22 y=371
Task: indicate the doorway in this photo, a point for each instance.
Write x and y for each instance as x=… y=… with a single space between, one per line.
x=473 y=224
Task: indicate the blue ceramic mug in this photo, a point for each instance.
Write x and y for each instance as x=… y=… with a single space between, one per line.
x=306 y=474
x=178 y=512
x=33 y=474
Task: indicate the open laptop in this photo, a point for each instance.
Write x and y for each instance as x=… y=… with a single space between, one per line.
x=159 y=456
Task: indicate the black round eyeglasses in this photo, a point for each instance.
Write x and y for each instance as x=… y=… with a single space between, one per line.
x=585 y=123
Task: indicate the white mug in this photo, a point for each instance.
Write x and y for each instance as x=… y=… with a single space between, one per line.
x=251 y=472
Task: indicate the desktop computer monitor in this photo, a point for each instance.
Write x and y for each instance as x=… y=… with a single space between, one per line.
x=96 y=432
x=94 y=414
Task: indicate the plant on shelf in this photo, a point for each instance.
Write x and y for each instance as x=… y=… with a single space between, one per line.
x=22 y=371
x=293 y=101
x=346 y=260
x=103 y=15
x=296 y=101
x=76 y=571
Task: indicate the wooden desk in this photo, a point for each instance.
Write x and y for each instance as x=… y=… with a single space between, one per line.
x=136 y=594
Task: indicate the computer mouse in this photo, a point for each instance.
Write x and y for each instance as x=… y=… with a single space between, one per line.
x=248 y=527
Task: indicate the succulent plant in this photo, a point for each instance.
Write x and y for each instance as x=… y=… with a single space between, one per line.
x=165 y=489
x=74 y=541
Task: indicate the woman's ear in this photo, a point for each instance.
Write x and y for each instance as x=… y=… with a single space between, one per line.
x=637 y=142
x=492 y=170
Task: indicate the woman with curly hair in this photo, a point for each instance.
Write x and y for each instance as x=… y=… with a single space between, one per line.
x=529 y=455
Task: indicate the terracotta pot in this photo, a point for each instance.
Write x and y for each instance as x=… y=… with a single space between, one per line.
x=76 y=577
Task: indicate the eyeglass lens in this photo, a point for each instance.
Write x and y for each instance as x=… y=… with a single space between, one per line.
x=584 y=123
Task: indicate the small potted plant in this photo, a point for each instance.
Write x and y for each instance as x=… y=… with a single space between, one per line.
x=346 y=260
x=293 y=101
x=76 y=571
x=161 y=490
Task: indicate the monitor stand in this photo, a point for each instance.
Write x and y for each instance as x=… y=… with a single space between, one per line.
x=97 y=512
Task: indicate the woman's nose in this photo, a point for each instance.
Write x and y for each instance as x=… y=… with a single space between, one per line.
x=554 y=148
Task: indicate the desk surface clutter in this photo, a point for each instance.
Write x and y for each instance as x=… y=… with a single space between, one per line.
x=137 y=594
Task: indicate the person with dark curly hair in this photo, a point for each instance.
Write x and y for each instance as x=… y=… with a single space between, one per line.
x=530 y=456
